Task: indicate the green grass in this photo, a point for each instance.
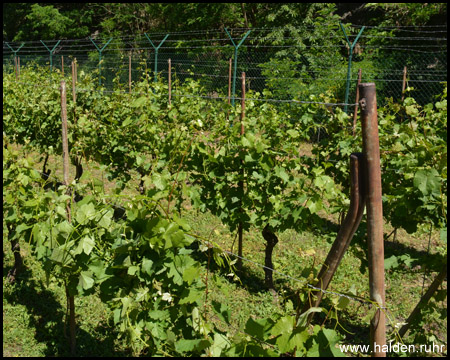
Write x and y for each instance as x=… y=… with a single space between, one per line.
x=33 y=313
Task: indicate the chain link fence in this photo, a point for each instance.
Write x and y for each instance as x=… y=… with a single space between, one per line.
x=285 y=69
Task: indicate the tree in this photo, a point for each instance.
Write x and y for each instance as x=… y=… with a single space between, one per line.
x=48 y=22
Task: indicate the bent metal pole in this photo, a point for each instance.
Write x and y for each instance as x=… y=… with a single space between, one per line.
x=346 y=232
x=371 y=151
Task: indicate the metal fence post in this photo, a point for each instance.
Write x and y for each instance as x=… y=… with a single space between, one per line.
x=351 y=47
x=236 y=47
x=371 y=151
x=51 y=53
x=156 y=53
x=100 y=58
x=15 y=55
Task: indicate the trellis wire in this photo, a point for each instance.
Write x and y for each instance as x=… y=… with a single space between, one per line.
x=251 y=261
x=304 y=283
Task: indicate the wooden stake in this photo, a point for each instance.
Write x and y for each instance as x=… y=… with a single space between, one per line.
x=241 y=183
x=129 y=72
x=355 y=114
x=229 y=83
x=62 y=65
x=16 y=70
x=371 y=150
x=404 y=83
x=65 y=146
x=243 y=104
x=76 y=69
x=170 y=82
x=74 y=80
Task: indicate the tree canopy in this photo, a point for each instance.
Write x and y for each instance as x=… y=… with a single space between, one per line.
x=44 y=21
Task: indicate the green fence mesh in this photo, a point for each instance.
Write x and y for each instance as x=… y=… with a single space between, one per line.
x=284 y=70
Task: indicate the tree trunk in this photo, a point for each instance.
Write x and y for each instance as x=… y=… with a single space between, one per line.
x=272 y=240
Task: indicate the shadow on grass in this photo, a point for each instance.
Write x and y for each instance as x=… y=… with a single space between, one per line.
x=47 y=317
x=429 y=261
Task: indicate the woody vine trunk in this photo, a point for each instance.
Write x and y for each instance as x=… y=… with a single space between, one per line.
x=271 y=240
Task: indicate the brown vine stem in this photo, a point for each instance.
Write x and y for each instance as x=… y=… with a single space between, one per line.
x=178 y=172
x=206 y=282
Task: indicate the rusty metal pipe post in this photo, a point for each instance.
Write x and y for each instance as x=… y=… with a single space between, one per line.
x=371 y=150
x=347 y=230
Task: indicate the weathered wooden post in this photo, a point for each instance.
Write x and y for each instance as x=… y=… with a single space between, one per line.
x=170 y=81
x=65 y=146
x=16 y=68
x=241 y=183
x=74 y=80
x=371 y=151
x=229 y=83
x=77 y=160
x=404 y=83
x=355 y=113
x=129 y=72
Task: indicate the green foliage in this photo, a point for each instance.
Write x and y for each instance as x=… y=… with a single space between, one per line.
x=143 y=269
x=143 y=265
x=258 y=178
x=408 y=14
x=48 y=23
x=19 y=114
x=413 y=149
